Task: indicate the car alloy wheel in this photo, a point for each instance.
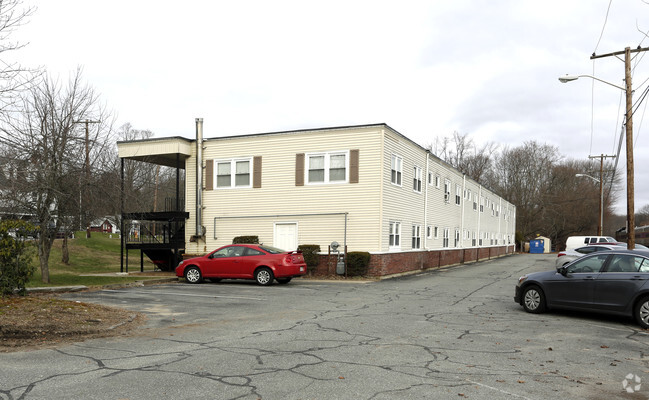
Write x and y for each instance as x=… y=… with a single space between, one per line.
x=264 y=276
x=533 y=300
x=193 y=275
x=642 y=312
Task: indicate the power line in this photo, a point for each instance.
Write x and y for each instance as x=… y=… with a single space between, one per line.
x=603 y=26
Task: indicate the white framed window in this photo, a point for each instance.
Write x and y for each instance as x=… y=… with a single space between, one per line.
x=473 y=240
x=416 y=180
x=447 y=190
x=430 y=178
x=429 y=232
x=457 y=237
x=438 y=181
x=395 y=235
x=330 y=167
x=445 y=238
x=233 y=173
x=396 y=168
x=436 y=232
x=458 y=194
x=475 y=202
x=416 y=236
x=481 y=205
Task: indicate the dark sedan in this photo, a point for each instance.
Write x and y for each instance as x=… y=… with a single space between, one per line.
x=613 y=282
x=244 y=261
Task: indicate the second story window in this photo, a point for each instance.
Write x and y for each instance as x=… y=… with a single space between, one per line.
x=232 y=173
x=327 y=167
x=396 y=168
x=416 y=181
x=447 y=190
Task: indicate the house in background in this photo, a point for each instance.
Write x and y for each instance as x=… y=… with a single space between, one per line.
x=367 y=187
x=105 y=225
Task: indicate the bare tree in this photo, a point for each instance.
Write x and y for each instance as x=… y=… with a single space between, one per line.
x=642 y=215
x=462 y=153
x=13 y=76
x=43 y=138
x=522 y=175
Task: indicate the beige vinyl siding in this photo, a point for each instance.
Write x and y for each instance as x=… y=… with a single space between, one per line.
x=441 y=213
x=279 y=199
x=401 y=203
x=448 y=215
x=368 y=202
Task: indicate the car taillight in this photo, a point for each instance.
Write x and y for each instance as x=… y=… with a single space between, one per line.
x=561 y=254
x=294 y=258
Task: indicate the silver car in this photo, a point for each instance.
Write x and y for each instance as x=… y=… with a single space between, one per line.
x=566 y=256
x=613 y=282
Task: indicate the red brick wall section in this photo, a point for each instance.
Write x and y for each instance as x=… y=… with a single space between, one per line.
x=402 y=262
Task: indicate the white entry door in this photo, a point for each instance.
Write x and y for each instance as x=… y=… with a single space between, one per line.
x=286 y=236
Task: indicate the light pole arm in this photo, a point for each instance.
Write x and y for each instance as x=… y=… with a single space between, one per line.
x=570 y=78
x=588 y=176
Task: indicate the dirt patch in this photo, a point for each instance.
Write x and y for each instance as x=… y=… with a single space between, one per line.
x=37 y=321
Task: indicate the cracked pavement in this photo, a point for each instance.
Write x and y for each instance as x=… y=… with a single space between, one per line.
x=449 y=333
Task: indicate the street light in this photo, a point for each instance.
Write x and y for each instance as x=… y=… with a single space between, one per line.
x=600 y=227
x=570 y=78
x=630 y=206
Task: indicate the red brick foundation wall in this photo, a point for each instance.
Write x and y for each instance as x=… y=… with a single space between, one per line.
x=404 y=262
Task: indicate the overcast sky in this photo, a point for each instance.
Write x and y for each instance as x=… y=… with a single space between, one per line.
x=426 y=68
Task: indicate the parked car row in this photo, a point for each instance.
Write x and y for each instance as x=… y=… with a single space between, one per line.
x=566 y=256
x=604 y=278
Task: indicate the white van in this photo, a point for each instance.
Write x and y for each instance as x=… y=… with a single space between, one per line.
x=578 y=241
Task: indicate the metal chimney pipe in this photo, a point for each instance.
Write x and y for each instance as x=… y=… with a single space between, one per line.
x=199 y=178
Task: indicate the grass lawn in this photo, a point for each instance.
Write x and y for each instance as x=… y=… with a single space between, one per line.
x=98 y=254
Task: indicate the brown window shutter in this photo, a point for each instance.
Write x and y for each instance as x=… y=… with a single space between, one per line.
x=299 y=169
x=256 y=172
x=353 y=166
x=209 y=174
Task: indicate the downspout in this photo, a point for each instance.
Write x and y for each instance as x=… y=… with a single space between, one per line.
x=463 y=207
x=426 y=201
x=500 y=216
x=479 y=217
x=381 y=167
x=200 y=229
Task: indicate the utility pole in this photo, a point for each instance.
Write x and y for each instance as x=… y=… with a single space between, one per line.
x=87 y=173
x=600 y=227
x=630 y=203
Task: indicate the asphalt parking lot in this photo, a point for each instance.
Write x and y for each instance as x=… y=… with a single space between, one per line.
x=443 y=334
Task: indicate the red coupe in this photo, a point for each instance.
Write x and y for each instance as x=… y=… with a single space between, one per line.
x=244 y=261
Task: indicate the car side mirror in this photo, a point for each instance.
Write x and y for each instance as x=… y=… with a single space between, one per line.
x=562 y=270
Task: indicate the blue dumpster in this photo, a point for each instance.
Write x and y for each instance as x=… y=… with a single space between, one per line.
x=536 y=246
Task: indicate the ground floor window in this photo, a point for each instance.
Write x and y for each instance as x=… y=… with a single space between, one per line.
x=416 y=236
x=395 y=235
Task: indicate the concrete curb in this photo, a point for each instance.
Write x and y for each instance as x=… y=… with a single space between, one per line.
x=57 y=289
x=64 y=289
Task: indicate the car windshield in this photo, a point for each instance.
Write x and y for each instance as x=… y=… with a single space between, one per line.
x=272 y=250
